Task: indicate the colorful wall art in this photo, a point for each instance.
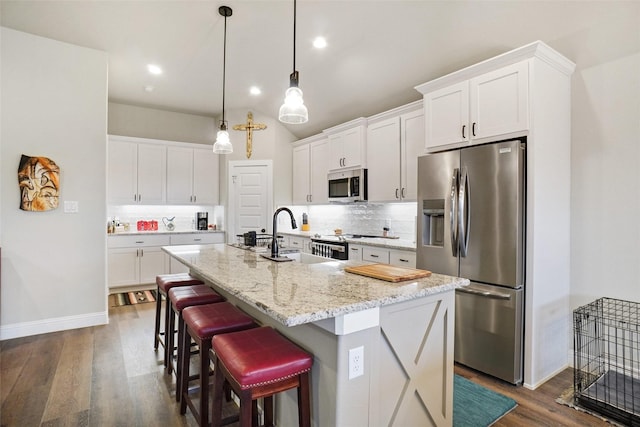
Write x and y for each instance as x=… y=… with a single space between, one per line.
x=39 y=180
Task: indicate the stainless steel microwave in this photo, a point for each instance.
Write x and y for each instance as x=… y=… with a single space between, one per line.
x=348 y=186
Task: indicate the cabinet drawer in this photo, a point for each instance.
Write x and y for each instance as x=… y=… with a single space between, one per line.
x=197 y=238
x=355 y=252
x=402 y=258
x=375 y=255
x=137 y=241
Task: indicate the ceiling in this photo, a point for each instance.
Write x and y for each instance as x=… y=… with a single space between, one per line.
x=377 y=50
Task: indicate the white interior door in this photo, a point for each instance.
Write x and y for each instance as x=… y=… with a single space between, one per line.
x=250 y=196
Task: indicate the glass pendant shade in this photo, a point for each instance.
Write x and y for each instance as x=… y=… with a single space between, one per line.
x=293 y=110
x=223 y=143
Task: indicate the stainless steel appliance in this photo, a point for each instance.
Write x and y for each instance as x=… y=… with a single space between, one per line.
x=471 y=219
x=348 y=186
x=330 y=248
x=202 y=220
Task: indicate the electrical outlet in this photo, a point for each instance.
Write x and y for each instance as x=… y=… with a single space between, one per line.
x=356 y=362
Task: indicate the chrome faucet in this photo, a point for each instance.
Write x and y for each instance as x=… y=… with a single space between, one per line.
x=274 y=240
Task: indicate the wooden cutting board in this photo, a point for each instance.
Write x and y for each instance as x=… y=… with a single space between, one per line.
x=387 y=272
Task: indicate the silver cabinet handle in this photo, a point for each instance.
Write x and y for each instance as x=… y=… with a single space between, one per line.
x=197 y=240
x=453 y=213
x=473 y=129
x=397 y=194
x=403 y=260
x=463 y=128
x=195 y=199
x=402 y=193
x=375 y=256
x=139 y=241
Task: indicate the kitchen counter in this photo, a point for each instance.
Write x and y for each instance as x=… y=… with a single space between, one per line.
x=404 y=332
x=294 y=293
x=153 y=233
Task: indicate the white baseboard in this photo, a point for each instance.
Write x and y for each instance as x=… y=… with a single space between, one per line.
x=25 y=329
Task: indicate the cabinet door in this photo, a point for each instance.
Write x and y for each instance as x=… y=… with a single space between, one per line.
x=402 y=258
x=374 y=254
x=319 y=159
x=123 y=267
x=176 y=266
x=352 y=146
x=447 y=115
x=206 y=179
x=355 y=252
x=347 y=149
x=383 y=159
x=301 y=194
x=123 y=173
x=499 y=101
x=153 y=261
x=411 y=146
x=179 y=175
x=152 y=174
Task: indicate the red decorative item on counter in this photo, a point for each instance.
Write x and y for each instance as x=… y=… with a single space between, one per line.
x=140 y=225
x=154 y=225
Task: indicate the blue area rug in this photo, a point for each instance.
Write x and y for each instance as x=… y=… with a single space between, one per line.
x=477 y=406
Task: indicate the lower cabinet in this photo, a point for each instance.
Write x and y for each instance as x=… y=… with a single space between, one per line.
x=136 y=260
x=389 y=256
x=191 y=239
x=355 y=252
x=303 y=244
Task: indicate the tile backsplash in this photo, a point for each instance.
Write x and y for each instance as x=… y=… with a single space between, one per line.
x=184 y=215
x=357 y=219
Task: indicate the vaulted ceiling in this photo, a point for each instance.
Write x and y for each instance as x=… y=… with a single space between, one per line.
x=377 y=50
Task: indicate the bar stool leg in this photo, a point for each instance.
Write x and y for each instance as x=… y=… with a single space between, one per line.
x=304 y=404
x=156 y=339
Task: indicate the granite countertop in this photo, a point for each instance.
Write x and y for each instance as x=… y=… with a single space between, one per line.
x=151 y=233
x=295 y=293
x=389 y=243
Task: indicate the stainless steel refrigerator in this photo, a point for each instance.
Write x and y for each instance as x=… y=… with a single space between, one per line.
x=471 y=224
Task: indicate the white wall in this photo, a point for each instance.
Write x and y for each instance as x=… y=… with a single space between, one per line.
x=54 y=104
x=142 y=122
x=605 y=180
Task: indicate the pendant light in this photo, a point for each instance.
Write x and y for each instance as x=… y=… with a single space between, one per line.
x=223 y=144
x=293 y=110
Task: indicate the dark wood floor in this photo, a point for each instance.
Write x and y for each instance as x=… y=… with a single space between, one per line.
x=110 y=376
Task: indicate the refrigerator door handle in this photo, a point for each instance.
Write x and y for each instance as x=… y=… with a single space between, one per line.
x=463 y=213
x=488 y=294
x=453 y=212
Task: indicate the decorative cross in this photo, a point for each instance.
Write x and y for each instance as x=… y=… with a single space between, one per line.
x=249 y=127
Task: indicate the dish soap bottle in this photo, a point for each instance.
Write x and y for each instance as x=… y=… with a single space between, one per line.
x=305 y=222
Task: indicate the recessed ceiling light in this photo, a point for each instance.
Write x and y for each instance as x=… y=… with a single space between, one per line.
x=154 y=69
x=320 y=43
x=255 y=90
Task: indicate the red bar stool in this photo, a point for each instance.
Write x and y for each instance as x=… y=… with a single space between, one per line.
x=180 y=298
x=201 y=323
x=164 y=282
x=259 y=363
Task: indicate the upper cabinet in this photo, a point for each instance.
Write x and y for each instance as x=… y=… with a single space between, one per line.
x=155 y=172
x=137 y=173
x=395 y=139
x=192 y=176
x=310 y=167
x=347 y=145
x=476 y=109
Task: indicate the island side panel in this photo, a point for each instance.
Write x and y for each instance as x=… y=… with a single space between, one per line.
x=413 y=382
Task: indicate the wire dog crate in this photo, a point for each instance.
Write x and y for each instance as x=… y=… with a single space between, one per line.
x=607 y=359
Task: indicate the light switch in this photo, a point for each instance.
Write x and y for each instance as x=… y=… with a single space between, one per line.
x=70 y=207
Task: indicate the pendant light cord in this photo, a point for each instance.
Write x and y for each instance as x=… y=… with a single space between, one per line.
x=294 y=35
x=224 y=70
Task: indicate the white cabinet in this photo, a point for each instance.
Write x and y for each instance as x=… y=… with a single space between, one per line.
x=192 y=176
x=137 y=173
x=310 y=168
x=176 y=266
x=347 y=145
x=393 y=147
x=301 y=243
x=375 y=254
x=402 y=258
x=486 y=106
x=355 y=252
x=135 y=260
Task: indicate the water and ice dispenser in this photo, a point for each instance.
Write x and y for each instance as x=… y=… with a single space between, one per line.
x=433 y=222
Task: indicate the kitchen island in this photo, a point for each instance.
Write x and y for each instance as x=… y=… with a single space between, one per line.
x=404 y=375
